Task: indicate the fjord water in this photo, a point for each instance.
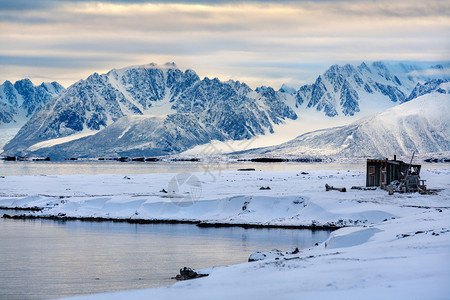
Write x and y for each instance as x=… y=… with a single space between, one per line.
x=18 y=168
x=44 y=259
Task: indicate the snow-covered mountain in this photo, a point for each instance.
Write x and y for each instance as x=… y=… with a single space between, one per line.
x=19 y=101
x=156 y=110
x=179 y=111
x=421 y=125
x=427 y=87
x=347 y=89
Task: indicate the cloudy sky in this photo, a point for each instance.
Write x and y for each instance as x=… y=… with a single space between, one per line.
x=259 y=42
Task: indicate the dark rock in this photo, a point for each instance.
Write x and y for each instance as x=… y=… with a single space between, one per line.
x=331 y=188
x=188 y=273
x=140 y=159
x=267 y=159
x=151 y=159
x=186 y=159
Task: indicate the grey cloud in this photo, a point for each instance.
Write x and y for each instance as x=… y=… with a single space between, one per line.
x=392 y=9
x=23 y=5
x=166 y=22
x=52 y=62
x=399 y=8
x=259 y=43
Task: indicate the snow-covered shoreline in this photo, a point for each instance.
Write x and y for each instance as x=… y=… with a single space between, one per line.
x=267 y=198
x=391 y=247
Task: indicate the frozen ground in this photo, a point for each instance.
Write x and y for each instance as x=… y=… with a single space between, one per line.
x=396 y=246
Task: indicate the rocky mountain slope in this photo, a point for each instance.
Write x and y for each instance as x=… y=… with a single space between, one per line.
x=156 y=110
x=422 y=125
x=180 y=111
x=19 y=101
x=347 y=89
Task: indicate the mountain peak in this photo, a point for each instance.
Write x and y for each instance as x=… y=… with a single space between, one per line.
x=379 y=65
x=424 y=119
x=187 y=107
x=23 y=83
x=20 y=100
x=7 y=83
x=170 y=65
x=287 y=89
x=152 y=65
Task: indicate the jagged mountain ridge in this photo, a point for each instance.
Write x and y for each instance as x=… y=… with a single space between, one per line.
x=427 y=87
x=229 y=110
x=341 y=89
x=421 y=125
x=19 y=101
x=220 y=110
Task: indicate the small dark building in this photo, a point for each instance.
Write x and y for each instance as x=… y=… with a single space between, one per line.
x=381 y=172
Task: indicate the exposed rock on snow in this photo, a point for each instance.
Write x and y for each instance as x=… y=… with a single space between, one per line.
x=158 y=110
x=189 y=273
x=208 y=109
x=421 y=125
x=273 y=254
x=19 y=101
x=344 y=89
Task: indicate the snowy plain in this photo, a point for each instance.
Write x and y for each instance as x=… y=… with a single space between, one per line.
x=392 y=246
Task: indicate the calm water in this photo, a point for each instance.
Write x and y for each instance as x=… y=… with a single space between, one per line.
x=113 y=167
x=43 y=259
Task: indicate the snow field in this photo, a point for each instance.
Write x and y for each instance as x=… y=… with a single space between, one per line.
x=397 y=247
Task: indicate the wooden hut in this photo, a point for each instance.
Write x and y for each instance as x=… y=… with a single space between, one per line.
x=381 y=172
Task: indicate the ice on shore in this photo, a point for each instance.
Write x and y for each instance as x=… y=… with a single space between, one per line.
x=396 y=246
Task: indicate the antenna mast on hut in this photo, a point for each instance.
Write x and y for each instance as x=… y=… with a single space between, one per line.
x=410 y=164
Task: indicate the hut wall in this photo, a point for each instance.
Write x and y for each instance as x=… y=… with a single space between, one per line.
x=383 y=172
x=373 y=174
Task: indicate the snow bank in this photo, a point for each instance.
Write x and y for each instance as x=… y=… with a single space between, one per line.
x=397 y=246
x=349 y=237
x=231 y=197
x=405 y=258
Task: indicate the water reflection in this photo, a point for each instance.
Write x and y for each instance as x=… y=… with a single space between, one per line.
x=101 y=167
x=44 y=259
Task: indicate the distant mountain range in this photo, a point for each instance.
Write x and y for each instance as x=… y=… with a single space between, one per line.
x=421 y=124
x=342 y=90
x=156 y=110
